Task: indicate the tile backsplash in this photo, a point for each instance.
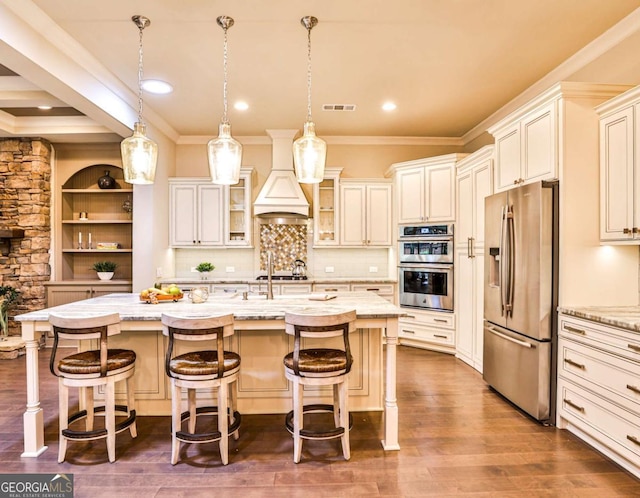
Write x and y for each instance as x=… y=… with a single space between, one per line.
x=286 y=242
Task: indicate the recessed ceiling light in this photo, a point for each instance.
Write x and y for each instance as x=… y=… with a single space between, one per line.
x=45 y=107
x=241 y=106
x=158 y=87
x=389 y=106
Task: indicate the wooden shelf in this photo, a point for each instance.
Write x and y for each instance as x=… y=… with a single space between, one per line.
x=106 y=251
x=97 y=191
x=95 y=222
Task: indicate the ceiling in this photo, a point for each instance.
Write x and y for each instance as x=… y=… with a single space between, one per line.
x=447 y=64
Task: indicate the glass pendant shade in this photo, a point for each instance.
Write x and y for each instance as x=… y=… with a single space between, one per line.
x=139 y=157
x=225 y=157
x=309 y=155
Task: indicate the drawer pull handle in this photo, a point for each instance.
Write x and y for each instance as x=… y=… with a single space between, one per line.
x=573 y=405
x=441 y=320
x=633 y=347
x=633 y=388
x=574 y=364
x=408 y=331
x=633 y=439
x=411 y=316
x=569 y=328
x=440 y=336
x=373 y=290
x=331 y=290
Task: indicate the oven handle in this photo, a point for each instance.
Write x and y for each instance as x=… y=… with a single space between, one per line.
x=441 y=267
x=439 y=238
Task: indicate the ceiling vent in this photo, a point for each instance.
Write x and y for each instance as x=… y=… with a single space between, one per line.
x=338 y=107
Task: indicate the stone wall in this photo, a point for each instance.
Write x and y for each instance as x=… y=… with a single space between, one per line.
x=25 y=203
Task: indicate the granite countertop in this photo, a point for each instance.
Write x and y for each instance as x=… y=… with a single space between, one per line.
x=625 y=317
x=366 y=304
x=253 y=280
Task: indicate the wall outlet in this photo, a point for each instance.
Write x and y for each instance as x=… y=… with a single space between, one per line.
x=373 y=269
x=328 y=269
x=230 y=269
x=159 y=272
x=193 y=269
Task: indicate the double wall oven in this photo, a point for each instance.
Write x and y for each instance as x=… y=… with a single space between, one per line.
x=425 y=255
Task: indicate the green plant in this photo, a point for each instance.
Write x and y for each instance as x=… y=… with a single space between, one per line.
x=202 y=267
x=104 y=266
x=8 y=295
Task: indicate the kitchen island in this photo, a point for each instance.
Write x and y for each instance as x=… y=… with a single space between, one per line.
x=260 y=340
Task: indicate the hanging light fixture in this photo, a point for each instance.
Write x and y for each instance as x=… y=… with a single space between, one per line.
x=309 y=151
x=139 y=153
x=224 y=152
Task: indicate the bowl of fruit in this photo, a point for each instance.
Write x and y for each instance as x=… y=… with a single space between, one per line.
x=154 y=295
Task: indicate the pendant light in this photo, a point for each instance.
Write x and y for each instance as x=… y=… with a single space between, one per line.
x=224 y=152
x=139 y=153
x=309 y=151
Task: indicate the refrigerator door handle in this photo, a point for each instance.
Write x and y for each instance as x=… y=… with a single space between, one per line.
x=510 y=339
x=503 y=261
x=511 y=262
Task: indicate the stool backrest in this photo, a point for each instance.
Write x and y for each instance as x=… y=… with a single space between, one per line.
x=68 y=326
x=201 y=328
x=320 y=326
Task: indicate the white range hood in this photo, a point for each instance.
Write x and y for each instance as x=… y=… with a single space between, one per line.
x=281 y=195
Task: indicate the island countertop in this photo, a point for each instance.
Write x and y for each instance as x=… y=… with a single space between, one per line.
x=625 y=317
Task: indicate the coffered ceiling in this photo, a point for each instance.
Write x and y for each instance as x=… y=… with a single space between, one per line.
x=447 y=64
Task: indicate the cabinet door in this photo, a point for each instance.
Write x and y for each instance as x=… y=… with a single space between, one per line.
x=325 y=210
x=183 y=204
x=210 y=215
x=465 y=206
x=616 y=175
x=539 y=156
x=378 y=215
x=507 y=158
x=482 y=187
x=352 y=215
x=411 y=195
x=63 y=294
x=464 y=305
x=478 y=308
x=440 y=193
x=103 y=290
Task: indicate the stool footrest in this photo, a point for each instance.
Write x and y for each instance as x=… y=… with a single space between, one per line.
x=311 y=434
x=206 y=437
x=99 y=433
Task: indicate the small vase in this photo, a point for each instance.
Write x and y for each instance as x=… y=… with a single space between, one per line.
x=107 y=181
x=204 y=275
x=105 y=275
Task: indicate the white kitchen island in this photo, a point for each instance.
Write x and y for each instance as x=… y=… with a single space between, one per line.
x=260 y=340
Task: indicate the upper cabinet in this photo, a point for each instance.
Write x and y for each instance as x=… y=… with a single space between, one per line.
x=426 y=189
x=326 y=208
x=365 y=214
x=206 y=215
x=620 y=168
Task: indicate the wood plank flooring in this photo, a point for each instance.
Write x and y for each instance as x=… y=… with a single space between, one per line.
x=458 y=438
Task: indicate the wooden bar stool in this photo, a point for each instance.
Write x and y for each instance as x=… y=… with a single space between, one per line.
x=319 y=367
x=88 y=369
x=202 y=370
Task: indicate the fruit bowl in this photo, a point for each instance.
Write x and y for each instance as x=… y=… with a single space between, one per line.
x=163 y=297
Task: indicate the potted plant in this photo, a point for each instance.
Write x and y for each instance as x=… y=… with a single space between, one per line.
x=8 y=295
x=105 y=269
x=205 y=269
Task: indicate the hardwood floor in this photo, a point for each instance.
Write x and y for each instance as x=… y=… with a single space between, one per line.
x=458 y=438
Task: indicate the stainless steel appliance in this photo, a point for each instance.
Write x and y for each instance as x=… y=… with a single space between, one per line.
x=425 y=272
x=520 y=296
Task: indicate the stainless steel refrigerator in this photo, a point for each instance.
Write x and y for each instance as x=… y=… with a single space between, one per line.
x=520 y=296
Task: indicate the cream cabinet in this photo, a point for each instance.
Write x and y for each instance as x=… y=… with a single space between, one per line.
x=365 y=213
x=620 y=168
x=433 y=330
x=474 y=182
x=598 y=394
x=237 y=209
x=425 y=189
x=64 y=293
x=196 y=213
x=326 y=209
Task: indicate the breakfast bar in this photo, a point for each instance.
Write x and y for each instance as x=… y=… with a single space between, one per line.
x=259 y=339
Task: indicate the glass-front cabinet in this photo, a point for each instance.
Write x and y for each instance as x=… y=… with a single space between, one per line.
x=238 y=223
x=326 y=208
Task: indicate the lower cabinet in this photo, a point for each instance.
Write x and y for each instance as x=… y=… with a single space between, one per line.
x=599 y=388
x=58 y=294
x=388 y=291
x=434 y=330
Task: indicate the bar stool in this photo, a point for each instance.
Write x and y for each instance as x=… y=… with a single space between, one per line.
x=202 y=370
x=87 y=370
x=319 y=367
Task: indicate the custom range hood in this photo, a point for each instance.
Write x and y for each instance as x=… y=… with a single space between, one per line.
x=281 y=196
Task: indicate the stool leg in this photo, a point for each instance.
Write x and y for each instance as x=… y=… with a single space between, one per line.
x=63 y=410
x=191 y=394
x=86 y=394
x=223 y=421
x=233 y=402
x=336 y=405
x=110 y=418
x=131 y=405
x=175 y=420
x=344 y=417
x=298 y=418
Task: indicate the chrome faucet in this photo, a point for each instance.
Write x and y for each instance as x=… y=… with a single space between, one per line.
x=269 y=275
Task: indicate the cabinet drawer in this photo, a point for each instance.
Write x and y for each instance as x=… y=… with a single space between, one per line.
x=443 y=320
x=295 y=288
x=331 y=287
x=614 y=427
x=380 y=289
x=607 y=375
x=438 y=336
x=608 y=338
